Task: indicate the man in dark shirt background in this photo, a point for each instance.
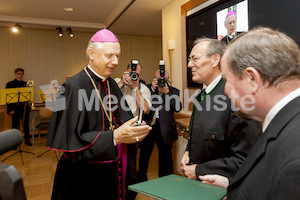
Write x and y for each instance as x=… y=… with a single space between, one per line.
x=19 y=110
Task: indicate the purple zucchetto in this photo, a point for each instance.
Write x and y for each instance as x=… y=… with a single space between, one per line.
x=230 y=13
x=104 y=35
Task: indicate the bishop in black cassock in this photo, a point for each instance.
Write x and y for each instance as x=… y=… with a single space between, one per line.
x=230 y=24
x=93 y=165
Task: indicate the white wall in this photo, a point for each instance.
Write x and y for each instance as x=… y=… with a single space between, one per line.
x=46 y=57
x=172 y=30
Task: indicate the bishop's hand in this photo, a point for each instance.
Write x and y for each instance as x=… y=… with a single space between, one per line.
x=128 y=134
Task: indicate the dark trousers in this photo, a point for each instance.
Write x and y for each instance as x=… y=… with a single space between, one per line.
x=16 y=120
x=131 y=173
x=164 y=153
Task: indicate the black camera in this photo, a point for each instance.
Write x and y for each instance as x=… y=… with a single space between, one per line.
x=161 y=82
x=134 y=76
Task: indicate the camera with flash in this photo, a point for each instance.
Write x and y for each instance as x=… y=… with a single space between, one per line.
x=161 y=82
x=134 y=76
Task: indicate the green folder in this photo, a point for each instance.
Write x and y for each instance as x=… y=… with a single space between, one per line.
x=174 y=187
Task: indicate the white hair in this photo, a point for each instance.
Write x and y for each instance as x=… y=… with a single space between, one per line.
x=93 y=45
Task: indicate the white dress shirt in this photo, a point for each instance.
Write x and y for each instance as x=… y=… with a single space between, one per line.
x=278 y=106
x=212 y=85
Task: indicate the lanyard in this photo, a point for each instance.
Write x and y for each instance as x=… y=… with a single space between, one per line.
x=109 y=117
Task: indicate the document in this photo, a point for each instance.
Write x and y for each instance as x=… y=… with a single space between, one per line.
x=174 y=187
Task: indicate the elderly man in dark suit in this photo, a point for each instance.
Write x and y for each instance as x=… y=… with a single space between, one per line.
x=219 y=141
x=265 y=64
x=165 y=101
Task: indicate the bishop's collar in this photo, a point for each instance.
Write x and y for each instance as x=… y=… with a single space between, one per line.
x=232 y=35
x=96 y=74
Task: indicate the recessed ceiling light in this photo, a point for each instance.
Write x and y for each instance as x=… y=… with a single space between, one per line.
x=68 y=9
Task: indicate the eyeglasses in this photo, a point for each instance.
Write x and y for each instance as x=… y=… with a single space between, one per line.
x=195 y=58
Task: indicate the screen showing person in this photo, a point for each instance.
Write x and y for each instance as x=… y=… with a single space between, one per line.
x=232 y=20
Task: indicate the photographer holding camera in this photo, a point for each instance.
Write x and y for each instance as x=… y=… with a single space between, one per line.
x=161 y=118
x=137 y=96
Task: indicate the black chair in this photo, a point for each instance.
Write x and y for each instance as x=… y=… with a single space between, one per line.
x=41 y=122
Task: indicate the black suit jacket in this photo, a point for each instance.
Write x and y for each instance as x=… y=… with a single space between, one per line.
x=166 y=114
x=272 y=168
x=219 y=141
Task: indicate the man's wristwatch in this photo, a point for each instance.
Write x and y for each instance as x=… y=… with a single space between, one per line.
x=136 y=89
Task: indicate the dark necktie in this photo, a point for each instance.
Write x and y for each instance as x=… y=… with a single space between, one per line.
x=202 y=95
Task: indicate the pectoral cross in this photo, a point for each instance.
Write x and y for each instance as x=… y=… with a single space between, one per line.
x=112 y=127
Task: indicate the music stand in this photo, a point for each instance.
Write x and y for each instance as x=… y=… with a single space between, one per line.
x=48 y=95
x=17 y=95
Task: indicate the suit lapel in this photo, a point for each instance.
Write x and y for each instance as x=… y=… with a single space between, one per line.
x=282 y=118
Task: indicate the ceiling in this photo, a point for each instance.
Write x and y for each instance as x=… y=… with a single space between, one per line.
x=129 y=17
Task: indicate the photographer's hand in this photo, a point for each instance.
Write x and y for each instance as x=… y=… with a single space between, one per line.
x=127 y=78
x=154 y=84
x=122 y=82
x=131 y=83
x=164 y=90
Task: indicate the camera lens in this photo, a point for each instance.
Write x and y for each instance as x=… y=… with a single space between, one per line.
x=134 y=76
x=161 y=82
